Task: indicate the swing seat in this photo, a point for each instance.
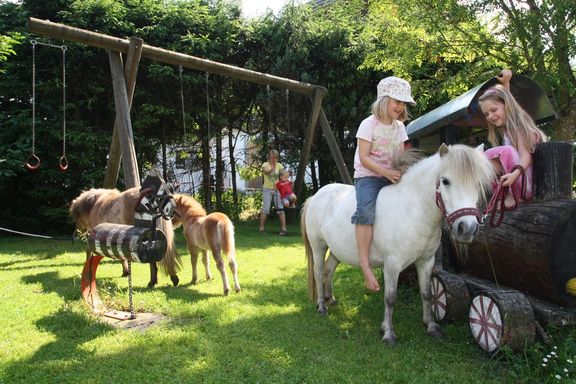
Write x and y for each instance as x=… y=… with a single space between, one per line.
x=292 y=215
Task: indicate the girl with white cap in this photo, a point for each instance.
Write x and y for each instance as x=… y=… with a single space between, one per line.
x=380 y=136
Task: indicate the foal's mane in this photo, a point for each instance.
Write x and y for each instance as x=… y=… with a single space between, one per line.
x=189 y=206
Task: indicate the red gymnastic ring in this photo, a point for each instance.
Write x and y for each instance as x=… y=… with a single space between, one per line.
x=30 y=163
x=63 y=164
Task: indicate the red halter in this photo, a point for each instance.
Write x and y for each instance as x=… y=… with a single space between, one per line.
x=451 y=218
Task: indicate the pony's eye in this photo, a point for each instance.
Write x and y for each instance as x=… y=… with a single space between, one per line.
x=445 y=182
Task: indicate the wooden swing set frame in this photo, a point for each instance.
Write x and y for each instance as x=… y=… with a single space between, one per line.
x=124 y=82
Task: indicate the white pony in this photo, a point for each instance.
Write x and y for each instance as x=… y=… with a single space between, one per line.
x=407 y=229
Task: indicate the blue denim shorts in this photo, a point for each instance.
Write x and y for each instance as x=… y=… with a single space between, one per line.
x=367 y=189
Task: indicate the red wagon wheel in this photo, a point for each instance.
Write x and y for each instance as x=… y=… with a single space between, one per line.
x=500 y=318
x=486 y=323
x=450 y=296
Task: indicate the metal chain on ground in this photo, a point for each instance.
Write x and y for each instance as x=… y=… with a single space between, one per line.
x=130 y=291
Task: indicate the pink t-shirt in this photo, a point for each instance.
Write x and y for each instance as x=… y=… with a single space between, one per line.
x=385 y=139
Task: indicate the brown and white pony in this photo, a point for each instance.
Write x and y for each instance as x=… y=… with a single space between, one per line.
x=99 y=205
x=214 y=232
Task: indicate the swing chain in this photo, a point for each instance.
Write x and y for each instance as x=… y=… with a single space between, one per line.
x=130 y=291
x=269 y=106
x=33 y=96
x=288 y=111
x=63 y=160
x=182 y=101
x=208 y=104
x=33 y=162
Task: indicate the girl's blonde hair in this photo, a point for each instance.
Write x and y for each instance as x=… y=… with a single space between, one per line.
x=518 y=123
x=380 y=110
x=274 y=153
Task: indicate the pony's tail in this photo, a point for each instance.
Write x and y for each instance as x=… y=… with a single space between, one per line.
x=228 y=244
x=312 y=293
x=171 y=262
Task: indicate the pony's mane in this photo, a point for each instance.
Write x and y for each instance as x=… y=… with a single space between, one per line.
x=470 y=166
x=188 y=206
x=405 y=159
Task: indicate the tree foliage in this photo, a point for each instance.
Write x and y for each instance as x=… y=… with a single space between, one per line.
x=444 y=47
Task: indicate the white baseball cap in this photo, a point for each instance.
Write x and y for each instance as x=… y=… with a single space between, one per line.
x=396 y=88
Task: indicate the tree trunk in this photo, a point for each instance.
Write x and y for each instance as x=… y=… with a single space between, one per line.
x=553 y=170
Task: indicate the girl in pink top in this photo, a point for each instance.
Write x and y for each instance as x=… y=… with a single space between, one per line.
x=507 y=119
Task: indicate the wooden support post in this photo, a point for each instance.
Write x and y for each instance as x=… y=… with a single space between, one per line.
x=553 y=169
x=309 y=138
x=333 y=145
x=130 y=72
x=129 y=163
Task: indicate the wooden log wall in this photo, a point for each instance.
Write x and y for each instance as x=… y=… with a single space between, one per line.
x=534 y=249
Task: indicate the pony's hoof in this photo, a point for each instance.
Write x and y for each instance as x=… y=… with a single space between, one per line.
x=331 y=301
x=152 y=283
x=389 y=338
x=322 y=310
x=435 y=331
x=125 y=274
x=175 y=280
x=226 y=292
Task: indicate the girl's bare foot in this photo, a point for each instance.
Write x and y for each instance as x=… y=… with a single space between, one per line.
x=509 y=201
x=370 y=280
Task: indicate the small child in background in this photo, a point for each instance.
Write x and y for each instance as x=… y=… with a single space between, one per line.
x=284 y=187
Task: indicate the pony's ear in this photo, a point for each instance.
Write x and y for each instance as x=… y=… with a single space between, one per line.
x=480 y=148
x=443 y=149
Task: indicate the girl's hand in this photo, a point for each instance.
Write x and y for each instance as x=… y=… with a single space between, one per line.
x=509 y=178
x=504 y=78
x=393 y=175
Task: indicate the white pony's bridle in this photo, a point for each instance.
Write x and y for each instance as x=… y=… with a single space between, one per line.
x=452 y=217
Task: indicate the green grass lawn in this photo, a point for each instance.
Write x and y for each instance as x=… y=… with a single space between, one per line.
x=268 y=333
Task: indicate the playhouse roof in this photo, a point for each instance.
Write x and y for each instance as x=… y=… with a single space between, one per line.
x=463 y=111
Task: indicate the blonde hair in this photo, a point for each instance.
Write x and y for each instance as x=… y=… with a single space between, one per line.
x=284 y=171
x=380 y=110
x=274 y=153
x=518 y=123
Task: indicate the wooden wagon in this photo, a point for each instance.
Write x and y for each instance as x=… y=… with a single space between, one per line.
x=516 y=277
